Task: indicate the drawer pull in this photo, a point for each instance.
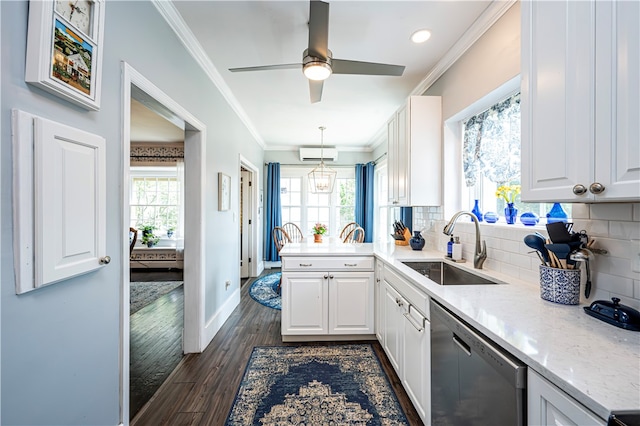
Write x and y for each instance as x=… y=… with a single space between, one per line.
x=350 y=264
x=413 y=322
x=306 y=264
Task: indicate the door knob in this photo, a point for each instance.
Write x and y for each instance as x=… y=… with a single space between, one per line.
x=579 y=189
x=105 y=260
x=596 y=188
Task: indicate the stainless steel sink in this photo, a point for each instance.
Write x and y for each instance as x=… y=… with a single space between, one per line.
x=445 y=274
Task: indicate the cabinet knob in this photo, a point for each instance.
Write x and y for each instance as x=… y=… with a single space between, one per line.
x=331 y=276
x=398 y=301
x=395 y=201
x=596 y=188
x=579 y=189
x=326 y=276
x=105 y=260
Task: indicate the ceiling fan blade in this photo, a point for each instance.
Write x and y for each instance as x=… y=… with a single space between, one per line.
x=268 y=67
x=343 y=66
x=315 y=90
x=318 y=29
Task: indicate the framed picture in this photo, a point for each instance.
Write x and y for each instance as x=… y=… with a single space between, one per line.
x=64 y=49
x=224 y=192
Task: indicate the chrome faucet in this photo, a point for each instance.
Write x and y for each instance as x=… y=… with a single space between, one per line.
x=481 y=253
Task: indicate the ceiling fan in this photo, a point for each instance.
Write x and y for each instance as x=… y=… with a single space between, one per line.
x=317 y=61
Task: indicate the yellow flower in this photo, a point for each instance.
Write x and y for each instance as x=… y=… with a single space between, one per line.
x=508 y=192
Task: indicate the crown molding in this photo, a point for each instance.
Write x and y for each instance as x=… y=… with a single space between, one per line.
x=340 y=148
x=171 y=15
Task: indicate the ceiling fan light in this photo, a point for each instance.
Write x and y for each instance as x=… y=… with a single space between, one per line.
x=420 y=36
x=317 y=70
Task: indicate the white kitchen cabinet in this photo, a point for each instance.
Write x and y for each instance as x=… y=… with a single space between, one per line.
x=548 y=405
x=327 y=296
x=379 y=301
x=414 y=152
x=406 y=340
x=580 y=101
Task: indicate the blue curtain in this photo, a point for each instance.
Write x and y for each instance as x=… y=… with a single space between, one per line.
x=272 y=211
x=406 y=216
x=364 y=198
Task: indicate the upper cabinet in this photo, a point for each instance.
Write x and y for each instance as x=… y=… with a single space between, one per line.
x=580 y=101
x=415 y=153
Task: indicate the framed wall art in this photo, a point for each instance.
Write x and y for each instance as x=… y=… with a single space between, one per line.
x=64 y=49
x=224 y=192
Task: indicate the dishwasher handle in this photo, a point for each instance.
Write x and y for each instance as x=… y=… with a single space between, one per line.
x=462 y=345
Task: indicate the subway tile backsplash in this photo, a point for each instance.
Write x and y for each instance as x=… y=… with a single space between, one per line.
x=614 y=226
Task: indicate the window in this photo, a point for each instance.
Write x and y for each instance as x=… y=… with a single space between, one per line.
x=381 y=208
x=154 y=198
x=305 y=209
x=491 y=158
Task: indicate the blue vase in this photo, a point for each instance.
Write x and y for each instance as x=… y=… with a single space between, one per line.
x=490 y=217
x=556 y=214
x=510 y=213
x=476 y=211
x=529 y=218
x=417 y=242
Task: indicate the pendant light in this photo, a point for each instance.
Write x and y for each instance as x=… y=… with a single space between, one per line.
x=322 y=178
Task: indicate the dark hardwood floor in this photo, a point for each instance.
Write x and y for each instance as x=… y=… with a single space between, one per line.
x=155 y=339
x=201 y=390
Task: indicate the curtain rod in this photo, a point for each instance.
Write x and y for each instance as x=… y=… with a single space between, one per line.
x=378 y=159
x=336 y=166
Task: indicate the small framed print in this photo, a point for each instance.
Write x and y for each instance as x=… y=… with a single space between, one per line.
x=224 y=192
x=64 y=49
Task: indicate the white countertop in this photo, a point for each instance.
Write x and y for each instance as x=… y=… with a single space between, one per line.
x=594 y=362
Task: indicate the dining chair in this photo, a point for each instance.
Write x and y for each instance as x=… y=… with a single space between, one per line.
x=355 y=236
x=347 y=229
x=280 y=238
x=133 y=237
x=293 y=231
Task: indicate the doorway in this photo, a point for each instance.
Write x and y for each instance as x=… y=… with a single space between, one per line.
x=135 y=86
x=250 y=222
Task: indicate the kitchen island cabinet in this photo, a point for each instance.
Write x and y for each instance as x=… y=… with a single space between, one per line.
x=327 y=297
x=580 y=101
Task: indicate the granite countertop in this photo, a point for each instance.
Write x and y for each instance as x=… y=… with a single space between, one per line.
x=594 y=362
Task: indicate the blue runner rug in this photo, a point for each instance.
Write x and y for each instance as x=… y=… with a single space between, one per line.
x=315 y=385
x=264 y=290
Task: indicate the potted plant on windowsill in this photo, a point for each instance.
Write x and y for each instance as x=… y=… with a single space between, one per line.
x=318 y=230
x=148 y=237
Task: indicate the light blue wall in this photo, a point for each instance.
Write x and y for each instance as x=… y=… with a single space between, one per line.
x=60 y=345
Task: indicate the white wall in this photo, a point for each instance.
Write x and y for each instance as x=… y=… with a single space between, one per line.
x=60 y=344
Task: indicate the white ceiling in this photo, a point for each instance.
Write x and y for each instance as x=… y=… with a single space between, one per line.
x=354 y=108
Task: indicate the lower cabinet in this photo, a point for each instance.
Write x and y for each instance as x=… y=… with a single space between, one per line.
x=406 y=341
x=549 y=405
x=327 y=303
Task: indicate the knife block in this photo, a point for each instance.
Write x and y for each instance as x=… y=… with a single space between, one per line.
x=407 y=237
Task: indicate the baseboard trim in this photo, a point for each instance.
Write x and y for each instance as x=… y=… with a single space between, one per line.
x=215 y=323
x=328 y=337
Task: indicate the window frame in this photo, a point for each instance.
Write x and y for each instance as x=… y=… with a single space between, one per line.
x=136 y=172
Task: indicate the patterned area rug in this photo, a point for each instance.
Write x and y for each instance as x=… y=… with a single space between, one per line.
x=315 y=385
x=264 y=290
x=143 y=293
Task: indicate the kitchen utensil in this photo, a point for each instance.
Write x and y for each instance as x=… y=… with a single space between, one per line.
x=539 y=256
x=583 y=255
x=615 y=314
x=561 y=251
x=536 y=242
x=558 y=232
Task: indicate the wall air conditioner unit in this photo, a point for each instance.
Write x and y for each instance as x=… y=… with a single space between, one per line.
x=313 y=154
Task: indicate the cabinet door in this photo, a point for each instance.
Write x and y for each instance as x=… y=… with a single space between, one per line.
x=618 y=100
x=548 y=405
x=304 y=303
x=393 y=327
x=417 y=363
x=402 y=159
x=392 y=166
x=351 y=303
x=379 y=302
x=558 y=99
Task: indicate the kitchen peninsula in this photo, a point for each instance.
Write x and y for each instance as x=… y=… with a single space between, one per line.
x=593 y=366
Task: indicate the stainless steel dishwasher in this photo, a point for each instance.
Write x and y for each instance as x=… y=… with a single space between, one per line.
x=473 y=382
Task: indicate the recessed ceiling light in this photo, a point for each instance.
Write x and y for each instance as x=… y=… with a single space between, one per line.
x=420 y=36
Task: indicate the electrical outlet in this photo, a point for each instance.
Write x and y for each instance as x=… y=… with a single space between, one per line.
x=227 y=284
